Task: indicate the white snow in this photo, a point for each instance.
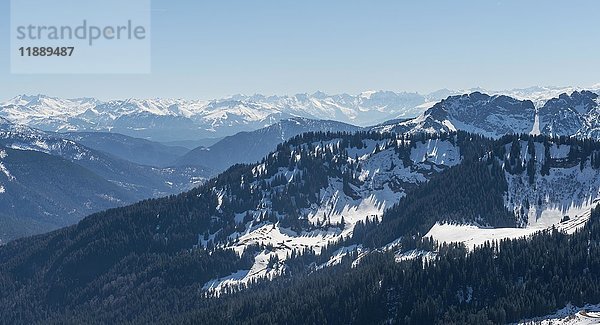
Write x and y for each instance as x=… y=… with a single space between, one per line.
x=558 y=151
x=566 y=191
x=413 y=254
x=436 y=151
x=536 y=125
x=569 y=315
x=474 y=236
x=241 y=278
x=5 y=171
x=449 y=125
x=222 y=117
x=232 y=114
x=338 y=255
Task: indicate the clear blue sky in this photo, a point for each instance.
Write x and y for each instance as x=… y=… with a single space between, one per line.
x=203 y=49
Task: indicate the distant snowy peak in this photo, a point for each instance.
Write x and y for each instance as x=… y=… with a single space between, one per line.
x=537 y=94
x=50 y=105
x=177 y=119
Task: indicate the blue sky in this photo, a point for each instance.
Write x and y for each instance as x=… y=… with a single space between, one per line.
x=203 y=49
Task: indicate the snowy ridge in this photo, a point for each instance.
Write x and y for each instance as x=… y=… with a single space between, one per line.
x=384 y=178
x=492 y=116
x=574 y=113
x=21 y=137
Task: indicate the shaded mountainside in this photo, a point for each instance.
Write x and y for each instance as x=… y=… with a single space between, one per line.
x=321 y=199
x=54 y=182
x=41 y=192
x=142 y=181
x=139 y=151
x=250 y=147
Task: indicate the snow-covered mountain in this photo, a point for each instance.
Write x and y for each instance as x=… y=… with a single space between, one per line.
x=172 y=119
x=539 y=95
x=569 y=114
x=358 y=182
x=176 y=119
x=542 y=183
x=491 y=116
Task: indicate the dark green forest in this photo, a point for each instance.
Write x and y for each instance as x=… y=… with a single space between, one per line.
x=500 y=282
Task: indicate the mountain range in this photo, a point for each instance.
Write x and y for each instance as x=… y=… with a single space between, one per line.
x=169 y=120
x=138 y=168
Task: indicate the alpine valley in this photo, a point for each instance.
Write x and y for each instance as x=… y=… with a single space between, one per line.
x=450 y=208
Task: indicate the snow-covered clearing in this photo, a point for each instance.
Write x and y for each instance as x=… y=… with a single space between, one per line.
x=570 y=315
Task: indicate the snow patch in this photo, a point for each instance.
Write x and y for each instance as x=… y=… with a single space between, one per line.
x=414 y=254
x=437 y=151
x=474 y=236
x=569 y=315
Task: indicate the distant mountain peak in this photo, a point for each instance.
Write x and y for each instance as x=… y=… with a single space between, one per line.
x=180 y=119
